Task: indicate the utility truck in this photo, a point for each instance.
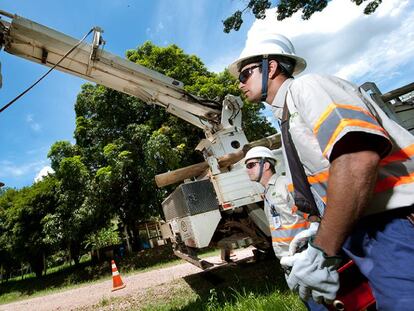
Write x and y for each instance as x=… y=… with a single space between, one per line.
x=217 y=204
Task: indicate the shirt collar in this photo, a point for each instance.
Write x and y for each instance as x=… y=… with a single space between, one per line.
x=279 y=100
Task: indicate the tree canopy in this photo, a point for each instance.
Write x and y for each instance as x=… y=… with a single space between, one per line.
x=285 y=9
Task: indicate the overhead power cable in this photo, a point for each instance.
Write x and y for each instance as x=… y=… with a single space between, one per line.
x=44 y=75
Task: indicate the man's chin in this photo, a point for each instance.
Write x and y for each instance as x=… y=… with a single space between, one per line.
x=253 y=100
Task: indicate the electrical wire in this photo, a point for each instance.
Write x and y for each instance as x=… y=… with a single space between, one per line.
x=44 y=75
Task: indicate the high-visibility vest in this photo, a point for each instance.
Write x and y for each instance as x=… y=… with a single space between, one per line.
x=284 y=223
x=323 y=110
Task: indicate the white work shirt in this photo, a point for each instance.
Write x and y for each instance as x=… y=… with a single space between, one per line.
x=323 y=110
x=283 y=222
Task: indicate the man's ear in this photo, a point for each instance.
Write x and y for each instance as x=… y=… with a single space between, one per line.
x=273 y=69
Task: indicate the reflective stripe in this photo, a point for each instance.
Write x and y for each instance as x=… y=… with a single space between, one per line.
x=320 y=189
x=289 y=231
x=396 y=169
x=344 y=109
x=319 y=178
x=318 y=182
x=296 y=211
x=337 y=117
x=385 y=182
x=393 y=181
x=294 y=226
x=347 y=123
x=400 y=155
x=287 y=239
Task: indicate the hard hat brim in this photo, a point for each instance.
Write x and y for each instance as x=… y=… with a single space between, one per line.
x=300 y=63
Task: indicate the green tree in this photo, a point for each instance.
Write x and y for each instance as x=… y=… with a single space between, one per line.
x=73 y=215
x=60 y=150
x=285 y=9
x=23 y=213
x=125 y=142
x=8 y=259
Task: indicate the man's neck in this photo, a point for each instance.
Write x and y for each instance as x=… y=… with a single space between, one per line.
x=266 y=177
x=273 y=87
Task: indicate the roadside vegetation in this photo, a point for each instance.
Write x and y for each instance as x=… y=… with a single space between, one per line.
x=246 y=286
x=249 y=285
x=65 y=277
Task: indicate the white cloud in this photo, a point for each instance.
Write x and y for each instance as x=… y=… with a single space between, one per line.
x=32 y=123
x=43 y=173
x=153 y=32
x=9 y=169
x=341 y=40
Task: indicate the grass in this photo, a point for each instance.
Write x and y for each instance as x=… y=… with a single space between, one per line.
x=67 y=277
x=246 y=286
x=243 y=287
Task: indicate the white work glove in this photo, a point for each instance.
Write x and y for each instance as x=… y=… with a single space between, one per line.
x=313 y=274
x=302 y=238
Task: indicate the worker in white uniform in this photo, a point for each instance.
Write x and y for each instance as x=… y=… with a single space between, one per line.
x=284 y=223
x=359 y=164
x=289 y=230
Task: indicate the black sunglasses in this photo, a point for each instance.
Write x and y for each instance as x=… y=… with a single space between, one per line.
x=246 y=73
x=250 y=165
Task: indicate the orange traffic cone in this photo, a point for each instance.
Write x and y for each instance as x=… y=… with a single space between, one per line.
x=116 y=278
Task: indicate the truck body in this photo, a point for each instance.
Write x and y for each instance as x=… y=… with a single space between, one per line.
x=219 y=205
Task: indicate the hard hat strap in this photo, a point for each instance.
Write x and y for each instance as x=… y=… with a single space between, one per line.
x=261 y=164
x=265 y=73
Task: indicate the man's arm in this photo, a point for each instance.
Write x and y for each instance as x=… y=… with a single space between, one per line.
x=352 y=178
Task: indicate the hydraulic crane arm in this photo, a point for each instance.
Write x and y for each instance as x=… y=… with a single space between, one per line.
x=25 y=38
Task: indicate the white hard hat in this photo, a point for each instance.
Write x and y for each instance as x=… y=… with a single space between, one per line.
x=268 y=44
x=260 y=152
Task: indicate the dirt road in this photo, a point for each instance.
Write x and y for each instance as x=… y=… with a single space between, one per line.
x=90 y=295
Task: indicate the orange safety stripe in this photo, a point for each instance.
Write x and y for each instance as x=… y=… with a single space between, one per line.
x=289 y=227
x=400 y=155
x=315 y=179
x=331 y=108
x=393 y=181
x=319 y=178
x=351 y=122
x=295 y=210
x=286 y=239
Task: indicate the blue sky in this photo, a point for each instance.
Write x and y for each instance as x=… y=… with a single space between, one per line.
x=337 y=41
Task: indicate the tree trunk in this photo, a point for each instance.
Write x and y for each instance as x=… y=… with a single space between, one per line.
x=37 y=265
x=129 y=248
x=74 y=251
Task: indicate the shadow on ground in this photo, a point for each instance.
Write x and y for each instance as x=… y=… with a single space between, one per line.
x=225 y=284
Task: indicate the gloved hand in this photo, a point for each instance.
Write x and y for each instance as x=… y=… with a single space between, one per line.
x=302 y=238
x=313 y=274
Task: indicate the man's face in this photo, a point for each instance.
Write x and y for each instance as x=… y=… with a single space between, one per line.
x=253 y=169
x=251 y=82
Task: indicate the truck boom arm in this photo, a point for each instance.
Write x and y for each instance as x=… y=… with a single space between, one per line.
x=25 y=38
